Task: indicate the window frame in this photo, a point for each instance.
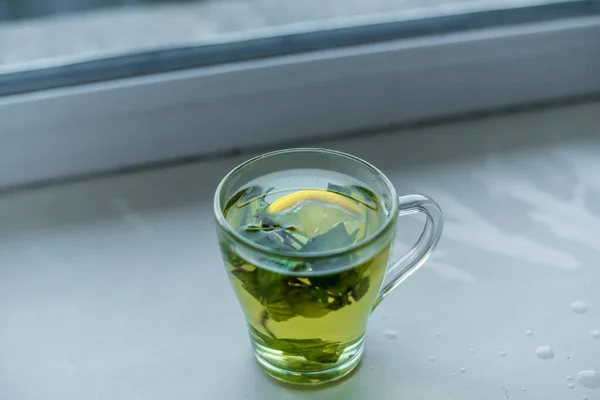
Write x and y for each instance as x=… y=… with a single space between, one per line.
x=285 y=100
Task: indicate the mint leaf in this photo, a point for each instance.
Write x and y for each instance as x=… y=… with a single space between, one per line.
x=231 y=257
x=315 y=350
x=327 y=353
x=343 y=190
x=292 y=265
x=249 y=282
x=308 y=301
x=364 y=196
x=233 y=200
x=280 y=311
x=272 y=286
x=250 y=194
x=361 y=288
x=335 y=238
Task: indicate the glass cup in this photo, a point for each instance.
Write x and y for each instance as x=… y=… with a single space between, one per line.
x=307 y=326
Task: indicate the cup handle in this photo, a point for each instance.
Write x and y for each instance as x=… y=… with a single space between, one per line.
x=422 y=249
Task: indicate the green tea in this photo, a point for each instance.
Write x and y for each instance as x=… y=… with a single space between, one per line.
x=306 y=314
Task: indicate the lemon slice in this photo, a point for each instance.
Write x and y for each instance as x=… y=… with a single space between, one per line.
x=290 y=200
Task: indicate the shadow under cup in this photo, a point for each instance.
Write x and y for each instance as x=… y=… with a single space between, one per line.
x=307 y=326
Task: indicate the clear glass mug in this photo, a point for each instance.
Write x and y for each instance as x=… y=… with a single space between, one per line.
x=299 y=335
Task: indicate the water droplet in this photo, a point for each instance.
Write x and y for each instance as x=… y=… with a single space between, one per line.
x=528 y=332
x=524 y=389
x=390 y=334
x=589 y=379
x=454 y=374
x=431 y=358
x=437 y=334
x=595 y=334
x=571 y=386
x=503 y=353
x=463 y=370
x=584 y=397
x=569 y=378
x=579 y=307
x=471 y=350
x=544 y=352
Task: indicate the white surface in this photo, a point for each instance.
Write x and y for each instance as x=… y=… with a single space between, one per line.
x=114 y=288
x=265 y=103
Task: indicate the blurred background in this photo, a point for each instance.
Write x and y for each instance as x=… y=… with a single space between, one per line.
x=118 y=118
x=56 y=32
x=109 y=46
x=121 y=83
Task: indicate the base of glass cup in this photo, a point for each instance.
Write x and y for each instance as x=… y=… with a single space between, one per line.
x=312 y=378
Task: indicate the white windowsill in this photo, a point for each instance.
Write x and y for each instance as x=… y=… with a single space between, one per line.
x=114 y=289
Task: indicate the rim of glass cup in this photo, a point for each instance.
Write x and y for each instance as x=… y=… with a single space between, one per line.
x=222 y=221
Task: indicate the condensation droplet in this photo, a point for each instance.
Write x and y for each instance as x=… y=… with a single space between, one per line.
x=390 y=334
x=524 y=389
x=528 y=332
x=579 y=307
x=569 y=378
x=544 y=352
x=471 y=350
x=431 y=358
x=463 y=370
x=571 y=386
x=437 y=334
x=595 y=334
x=503 y=353
x=584 y=397
x=454 y=374
x=589 y=379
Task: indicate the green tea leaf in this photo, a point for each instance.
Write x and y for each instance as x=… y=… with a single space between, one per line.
x=231 y=257
x=365 y=196
x=315 y=350
x=292 y=265
x=272 y=286
x=328 y=353
x=343 y=190
x=280 y=311
x=308 y=302
x=276 y=241
x=361 y=288
x=347 y=280
x=335 y=238
x=250 y=194
x=249 y=282
x=233 y=200
x=341 y=300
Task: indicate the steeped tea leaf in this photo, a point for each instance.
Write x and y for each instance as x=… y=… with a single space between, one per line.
x=230 y=256
x=278 y=293
x=364 y=196
x=361 y=288
x=335 y=238
x=308 y=302
x=316 y=350
x=252 y=193
x=280 y=311
x=292 y=265
x=343 y=190
x=249 y=282
x=272 y=285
